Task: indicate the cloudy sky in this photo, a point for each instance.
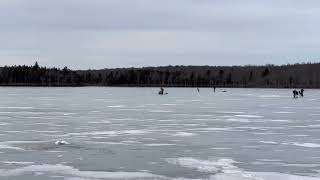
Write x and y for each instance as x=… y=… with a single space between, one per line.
x=86 y=34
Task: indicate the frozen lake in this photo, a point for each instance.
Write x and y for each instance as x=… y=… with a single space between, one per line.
x=133 y=133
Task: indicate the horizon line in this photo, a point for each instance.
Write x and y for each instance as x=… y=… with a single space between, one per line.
x=162 y=66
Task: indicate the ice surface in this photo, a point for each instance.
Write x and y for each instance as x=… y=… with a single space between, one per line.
x=310 y=145
x=160 y=144
x=224 y=169
x=111 y=133
x=133 y=133
x=184 y=134
x=68 y=170
x=17 y=162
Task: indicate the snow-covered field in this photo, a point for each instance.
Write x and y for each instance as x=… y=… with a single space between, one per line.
x=96 y=133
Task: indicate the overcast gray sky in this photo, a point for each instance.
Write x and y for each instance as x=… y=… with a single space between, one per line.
x=84 y=34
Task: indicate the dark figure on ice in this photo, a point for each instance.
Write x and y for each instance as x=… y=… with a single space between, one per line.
x=301 y=92
x=161 y=92
x=295 y=93
x=198 y=89
x=214 y=89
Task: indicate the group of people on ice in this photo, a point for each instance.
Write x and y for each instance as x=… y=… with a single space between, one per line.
x=161 y=92
x=296 y=93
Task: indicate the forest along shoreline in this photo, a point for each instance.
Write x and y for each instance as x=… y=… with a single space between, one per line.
x=268 y=76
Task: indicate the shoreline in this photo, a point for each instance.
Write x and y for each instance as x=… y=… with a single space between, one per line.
x=280 y=77
x=125 y=86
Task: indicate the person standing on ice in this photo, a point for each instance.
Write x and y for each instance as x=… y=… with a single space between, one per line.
x=301 y=92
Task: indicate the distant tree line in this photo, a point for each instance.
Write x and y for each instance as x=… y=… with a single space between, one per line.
x=271 y=76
